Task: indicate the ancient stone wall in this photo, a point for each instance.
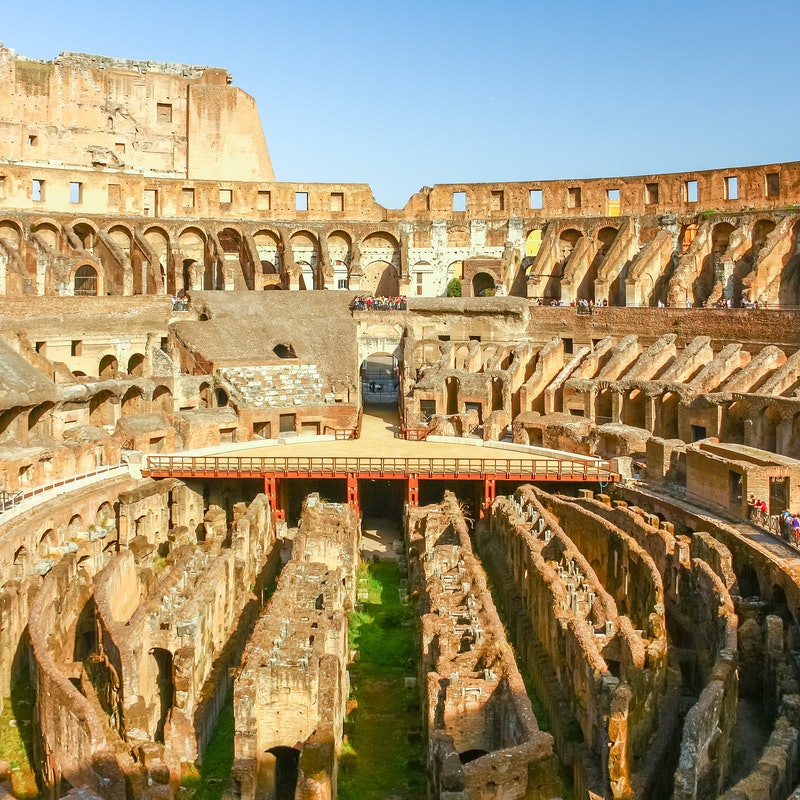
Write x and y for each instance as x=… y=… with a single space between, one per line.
x=291 y=690
x=482 y=733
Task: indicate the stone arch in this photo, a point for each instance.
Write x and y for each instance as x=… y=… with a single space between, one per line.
x=285 y=769
x=307 y=277
x=789 y=285
x=11 y=231
x=39 y=420
x=108 y=367
x=380 y=278
x=104 y=514
x=86 y=231
x=74 y=527
x=668 y=415
x=284 y=351
x=460 y=357
x=221 y=397
x=22 y=562
x=132 y=402
x=48 y=232
x=634 y=409
x=9 y=423
x=340 y=246
x=101 y=410
x=47 y=541
x=305 y=251
x=733 y=422
x=688 y=235
x=483 y=285
x=533 y=243
x=747 y=580
x=497 y=394
x=770 y=419
x=603 y=406
x=162 y=399
x=206 y=395
x=122 y=238
x=268 y=247
x=794 y=439
x=136 y=365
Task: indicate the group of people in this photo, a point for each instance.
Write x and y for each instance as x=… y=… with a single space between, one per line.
x=580 y=303
x=368 y=302
x=789 y=523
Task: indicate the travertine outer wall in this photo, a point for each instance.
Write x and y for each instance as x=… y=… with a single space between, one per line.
x=91 y=111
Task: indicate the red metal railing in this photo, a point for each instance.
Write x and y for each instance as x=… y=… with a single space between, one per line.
x=341 y=466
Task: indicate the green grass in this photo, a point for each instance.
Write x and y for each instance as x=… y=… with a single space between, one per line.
x=214 y=775
x=383 y=756
x=16 y=739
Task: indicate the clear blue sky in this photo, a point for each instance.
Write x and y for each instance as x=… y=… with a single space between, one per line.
x=411 y=93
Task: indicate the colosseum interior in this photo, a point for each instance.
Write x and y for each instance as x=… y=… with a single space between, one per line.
x=303 y=497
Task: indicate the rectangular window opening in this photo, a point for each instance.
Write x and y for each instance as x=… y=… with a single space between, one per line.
x=612 y=195
x=225 y=197
x=536 y=198
x=301 y=201
x=164 y=112
x=574 y=197
x=33 y=140
x=119 y=148
x=37 y=190
x=75 y=192
x=114 y=195
x=264 y=201
x=498 y=200
x=568 y=344
x=459 y=201
x=337 y=201
x=150 y=202
x=341 y=283
x=77 y=347
x=731 y=188
x=651 y=194
x=187 y=198
x=427 y=408
x=692 y=194
x=2 y=187
x=773 y=184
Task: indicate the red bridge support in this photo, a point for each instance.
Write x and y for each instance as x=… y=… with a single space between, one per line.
x=489 y=494
x=352 y=492
x=413 y=491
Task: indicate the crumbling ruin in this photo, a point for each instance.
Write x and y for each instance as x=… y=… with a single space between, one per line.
x=151 y=305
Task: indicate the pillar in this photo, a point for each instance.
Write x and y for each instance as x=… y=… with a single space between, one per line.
x=352 y=492
x=413 y=491
x=489 y=494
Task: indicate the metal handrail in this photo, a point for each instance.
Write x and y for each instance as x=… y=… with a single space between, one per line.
x=340 y=465
x=10 y=500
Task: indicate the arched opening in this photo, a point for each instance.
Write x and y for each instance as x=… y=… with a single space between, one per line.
x=733 y=418
x=451 y=389
x=136 y=365
x=789 y=287
x=9 y=423
x=206 y=395
x=221 y=397
x=101 y=410
x=287 y=761
x=497 y=394
x=483 y=285
x=132 y=402
x=770 y=419
x=86 y=235
x=46 y=543
x=165 y=689
x=306 y=279
x=688 y=235
x=603 y=407
x=745 y=265
x=747 y=580
x=380 y=279
x=566 y=244
x=634 y=409
x=108 y=367
x=85 y=281
x=162 y=400
x=379 y=379
x=284 y=351
x=668 y=416
x=21 y=563
x=471 y=755
x=710 y=270
x=105 y=516
x=39 y=420
x=153 y=275
x=794 y=440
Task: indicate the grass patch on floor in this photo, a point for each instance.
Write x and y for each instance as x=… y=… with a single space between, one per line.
x=16 y=739
x=214 y=776
x=383 y=756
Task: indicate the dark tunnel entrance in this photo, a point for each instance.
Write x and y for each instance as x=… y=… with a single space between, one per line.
x=382 y=498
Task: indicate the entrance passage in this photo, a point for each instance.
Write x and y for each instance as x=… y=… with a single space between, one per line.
x=379 y=380
x=286 y=763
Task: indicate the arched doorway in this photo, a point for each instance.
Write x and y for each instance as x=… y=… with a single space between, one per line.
x=108 y=367
x=85 y=281
x=483 y=285
x=287 y=761
x=380 y=279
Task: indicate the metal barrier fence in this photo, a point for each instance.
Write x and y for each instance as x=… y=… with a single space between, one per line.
x=9 y=500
